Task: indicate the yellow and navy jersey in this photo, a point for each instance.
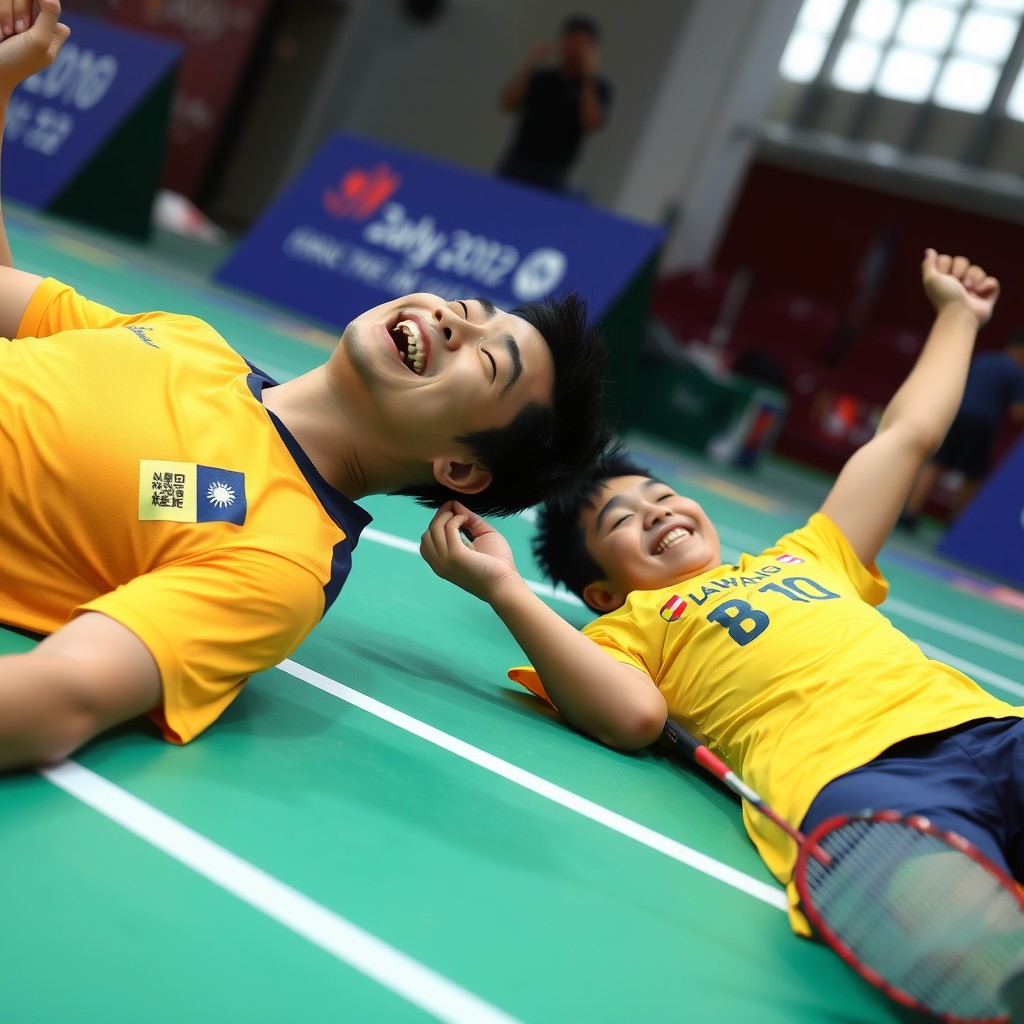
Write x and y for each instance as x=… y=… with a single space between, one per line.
x=785 y=668
x=143 y=478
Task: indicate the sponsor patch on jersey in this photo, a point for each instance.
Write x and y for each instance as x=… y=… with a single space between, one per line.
x=673 y=608
x=186 y=492
x=789 y=559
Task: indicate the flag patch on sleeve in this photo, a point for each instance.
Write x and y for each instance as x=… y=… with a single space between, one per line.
x=673 y=608
x=186 y=492
x=789 y=559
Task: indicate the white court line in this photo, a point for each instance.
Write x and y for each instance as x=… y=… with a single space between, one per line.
x=386 y=965
x=571 y=801
x=903 y=609
x=968 y=668
x=413 y=547
x=954 y=628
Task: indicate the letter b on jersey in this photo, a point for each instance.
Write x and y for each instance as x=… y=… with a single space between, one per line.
x=742 y=622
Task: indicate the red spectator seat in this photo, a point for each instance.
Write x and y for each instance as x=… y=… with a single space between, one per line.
x=690 y=301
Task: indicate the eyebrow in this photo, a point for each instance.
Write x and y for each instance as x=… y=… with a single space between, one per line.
x=517 y=361
x=510 y=343
x=490 y=309
x=619 y=499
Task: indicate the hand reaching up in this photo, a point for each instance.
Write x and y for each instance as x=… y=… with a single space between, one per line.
x=954 y=279
x=35 y=47
x=479 y=568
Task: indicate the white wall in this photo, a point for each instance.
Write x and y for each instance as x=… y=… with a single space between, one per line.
x=698 y=140
x=690 y=78
x=435 y=87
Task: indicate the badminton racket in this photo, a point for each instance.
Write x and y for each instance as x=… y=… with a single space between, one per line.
x=918 y=911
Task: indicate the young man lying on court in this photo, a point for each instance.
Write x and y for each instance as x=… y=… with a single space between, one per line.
x=175 y=520
x=780 y=664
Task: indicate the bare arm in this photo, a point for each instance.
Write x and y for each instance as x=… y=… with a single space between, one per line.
x=87 y=677
x=592 y=114
x=872 y=487
x=613 y=702
x=514 y=93
x=21 y=55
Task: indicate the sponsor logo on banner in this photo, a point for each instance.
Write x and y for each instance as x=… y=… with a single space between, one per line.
x=360 y=193
x=789 y=559
x=186 y=492
x=673 y=608
x=365 y=223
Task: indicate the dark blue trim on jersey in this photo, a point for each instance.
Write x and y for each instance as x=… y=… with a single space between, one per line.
x=344 y=512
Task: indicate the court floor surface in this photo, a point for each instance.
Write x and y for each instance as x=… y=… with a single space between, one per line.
x=385 y=829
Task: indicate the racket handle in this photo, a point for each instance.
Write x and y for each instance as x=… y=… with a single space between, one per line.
x=681 y=738
x=676 y=736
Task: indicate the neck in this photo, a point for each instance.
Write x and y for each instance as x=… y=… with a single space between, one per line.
x=329 y=431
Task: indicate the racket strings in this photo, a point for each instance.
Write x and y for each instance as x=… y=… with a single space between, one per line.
x=926 y=918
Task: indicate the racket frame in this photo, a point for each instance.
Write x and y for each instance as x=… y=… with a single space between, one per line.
x=842 y=948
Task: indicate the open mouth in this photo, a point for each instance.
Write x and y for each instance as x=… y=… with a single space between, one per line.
x=411 y=345
x=674 y=536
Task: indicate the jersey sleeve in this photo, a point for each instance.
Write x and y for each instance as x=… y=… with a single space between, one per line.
x=56 y=307
x=212 y=623
x=821 y=539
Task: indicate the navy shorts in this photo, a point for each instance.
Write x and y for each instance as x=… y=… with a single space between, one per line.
x=969 y=780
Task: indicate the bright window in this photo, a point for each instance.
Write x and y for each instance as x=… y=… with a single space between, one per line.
x=947 y=52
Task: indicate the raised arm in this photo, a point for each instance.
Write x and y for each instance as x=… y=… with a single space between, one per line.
x=29 y=50
x=872 y=487
x=514 y=93
x=592 y=111
x=613 y=702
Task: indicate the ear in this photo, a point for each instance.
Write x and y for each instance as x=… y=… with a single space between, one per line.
x=602 y=596
x=464 y=477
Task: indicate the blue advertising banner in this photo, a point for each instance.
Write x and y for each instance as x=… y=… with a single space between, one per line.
x=365 y=222
x=989 y=534
x=59 y=118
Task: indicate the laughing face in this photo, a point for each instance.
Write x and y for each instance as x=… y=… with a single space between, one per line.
x=428 y=370
x=645 y=536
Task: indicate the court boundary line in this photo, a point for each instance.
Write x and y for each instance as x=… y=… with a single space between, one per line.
x=612 y=820
x=371 y=956
x=898 y=607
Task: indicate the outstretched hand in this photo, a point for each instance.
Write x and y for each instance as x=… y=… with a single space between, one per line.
x=954 y=279
x=33 y=46
x=480 y=567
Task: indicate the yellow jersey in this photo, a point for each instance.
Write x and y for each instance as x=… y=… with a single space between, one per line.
x=143 y=478
x=784 y=668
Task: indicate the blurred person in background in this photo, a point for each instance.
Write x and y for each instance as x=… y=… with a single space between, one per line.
x=995 y=389
x=558 y=107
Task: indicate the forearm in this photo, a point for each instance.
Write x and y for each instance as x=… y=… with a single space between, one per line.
x=591 y=111
x=40 y=721
x=611 y=701
x=514 y=93
x=928 y=399
x=6 y=258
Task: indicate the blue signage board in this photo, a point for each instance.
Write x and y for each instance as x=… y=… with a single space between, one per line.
x=60 y=117
x=365 y=222
x=989 y=533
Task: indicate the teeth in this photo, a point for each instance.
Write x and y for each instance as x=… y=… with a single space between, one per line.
x=671 y=538
x=416 y=354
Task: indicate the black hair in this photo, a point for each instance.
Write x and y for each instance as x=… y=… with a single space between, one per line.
x=581 y=23
x=547 y=447
x=559 y=545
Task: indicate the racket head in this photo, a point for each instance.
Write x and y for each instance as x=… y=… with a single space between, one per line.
x=946 y=959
